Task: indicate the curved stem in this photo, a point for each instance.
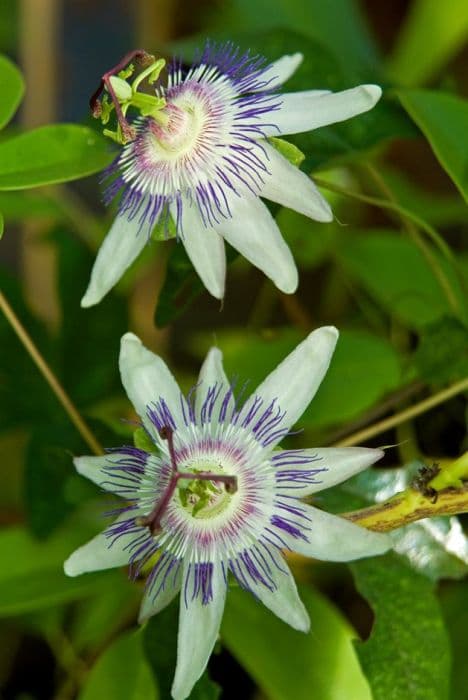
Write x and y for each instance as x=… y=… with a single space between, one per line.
x=50 y=377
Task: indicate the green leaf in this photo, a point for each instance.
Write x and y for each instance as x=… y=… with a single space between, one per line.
x=442 y=353
x=338 y=24
x=395 y=273
x=436 y=547
x=12 y=89
x=121 y=673
x=363 y=369
x=31 y=576
x=442 y=118
x=311 y=241
x=142 y=440
x=1 y=225
x=454 y=601
x=21 y=205
x=432 y=33
x=51 y=154
x=407 y=654
x=160 y=645
x=289 y=664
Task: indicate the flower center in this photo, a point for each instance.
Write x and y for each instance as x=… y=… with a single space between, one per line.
x=177 y=132
x=203 y=498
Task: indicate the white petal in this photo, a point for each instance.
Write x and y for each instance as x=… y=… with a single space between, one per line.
x=294 y=382
x=119 y=249
x=94 y=469
x=280 y=71
x=151 y=605
x=284 y=600
x=304 y=111
x=331 y=538
x=146 y=378
x=333 y=465
x=205 y=248
x=102 y=552
x=292 y=188
x=254 y=233
x=211 y=374
x=198 y=631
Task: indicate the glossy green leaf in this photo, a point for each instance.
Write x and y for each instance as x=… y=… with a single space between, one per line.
x=432 y=33
x=436 y=547
x=442 y=353
x=121 y=673
x=408 y=653
x=289 y=664
x=51 y=154
x=442 y=118
x=12 y=87
x=395 y=274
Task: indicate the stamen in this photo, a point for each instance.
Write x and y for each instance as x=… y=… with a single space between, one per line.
x=142 y=58
x=153 y=519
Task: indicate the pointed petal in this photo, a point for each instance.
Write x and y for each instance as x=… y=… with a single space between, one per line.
x=284 y=599
x=280 y=71
x=331 y=538
x=102 y=552
x=212 y=374
x=255 y=234
x=96 y=469
x=119 y=249
x=152 y=604
x=300 y=473
x=292 y=188
x=146 y=378
x=293 y=384
x=205 y=248
x=198 y=631
x=304 y=111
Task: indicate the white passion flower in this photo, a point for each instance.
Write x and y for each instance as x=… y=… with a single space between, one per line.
x=205 y=159
x=220 y=498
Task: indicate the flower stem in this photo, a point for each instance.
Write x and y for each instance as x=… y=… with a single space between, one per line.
x=49 y=376
x=417 y=409
x=409 y=506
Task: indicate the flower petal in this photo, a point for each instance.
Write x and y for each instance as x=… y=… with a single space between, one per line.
x=280 y=71
x=255 y=234
x=284 y=599
x=293 y=384
x=205 y=248
x=211 y=374
x=103 y=551
x=304 y=111
x=152 y=604
x=119 y=249
x=146 y=378
x=300 y=473
x=331 y=538
x=198 y=630
x=290 y=187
